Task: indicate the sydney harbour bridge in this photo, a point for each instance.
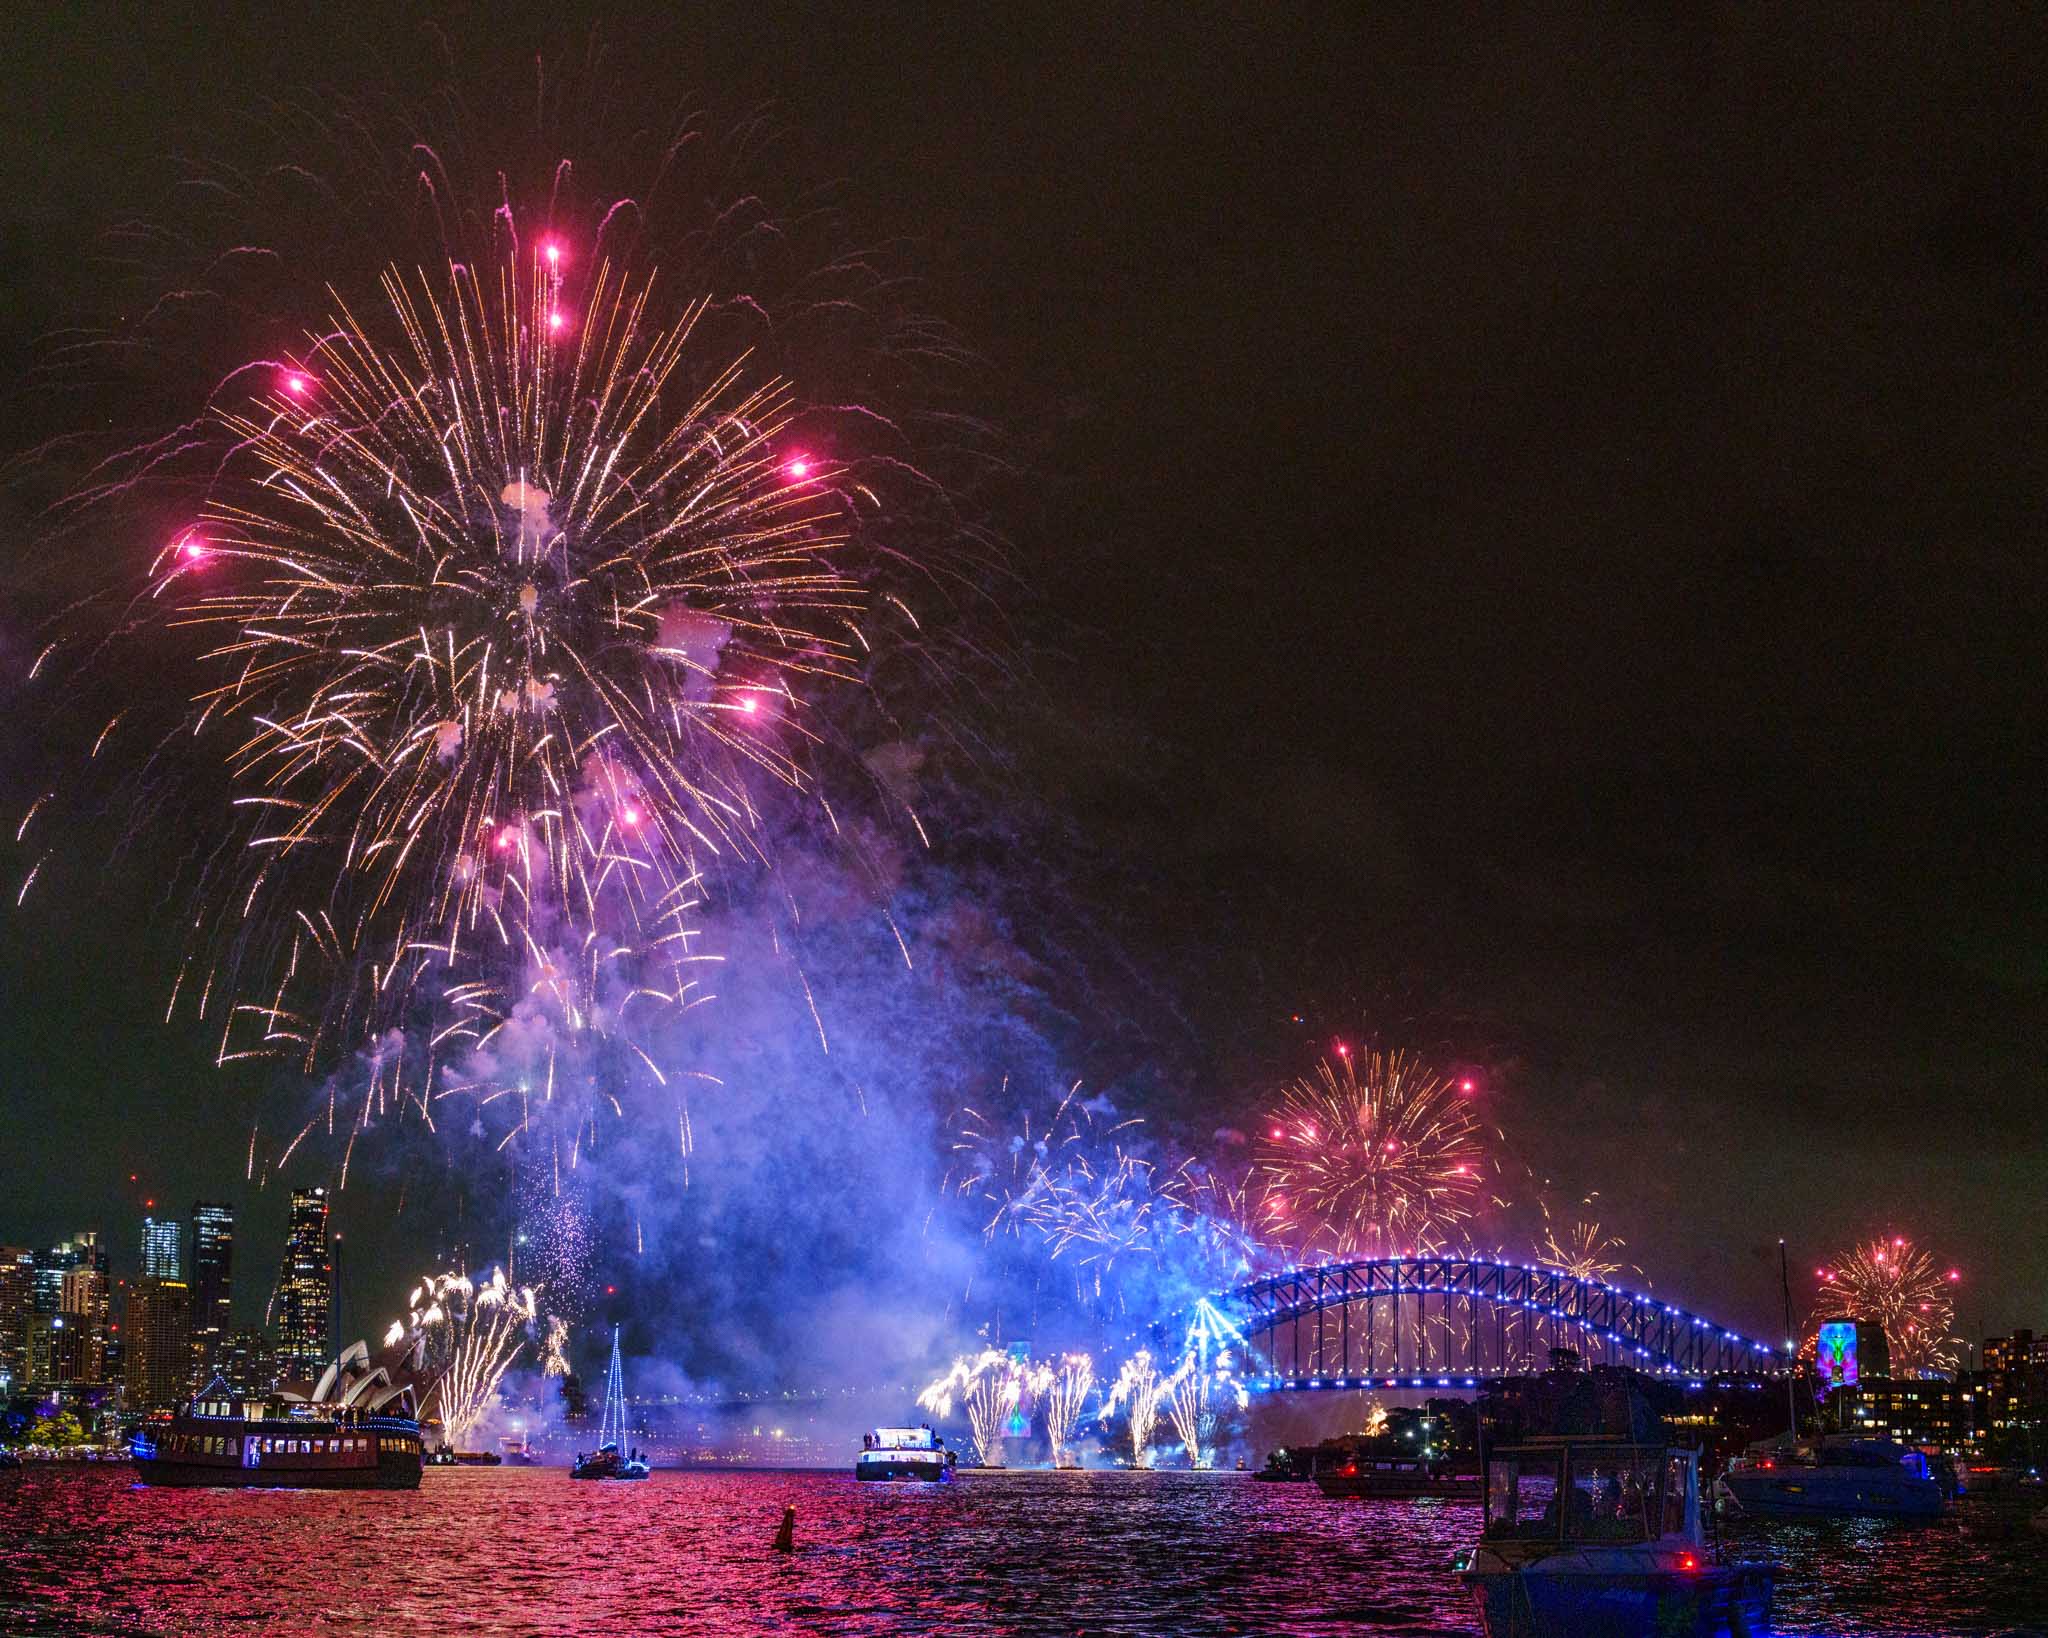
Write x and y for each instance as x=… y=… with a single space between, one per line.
x=1449 y=1322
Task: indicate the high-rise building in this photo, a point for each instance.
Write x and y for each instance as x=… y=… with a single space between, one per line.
x=160 y=1243
x=305 y=1288
x=213 y=1256
x=83 y=1307
x=82 y=1250
x=159 y=1342
x=17 y=1303
x=248 y=1363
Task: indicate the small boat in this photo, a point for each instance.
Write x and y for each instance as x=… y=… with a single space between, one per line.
x=478 y=1458
x=1839 y=1476
x=915 y=1454
x=1397 y=1479
x=1593 y=1537
x=613 y=1458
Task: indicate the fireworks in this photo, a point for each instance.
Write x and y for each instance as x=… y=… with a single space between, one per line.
x=1139 y=1386
x=1062 y=1387
x=1581 y=1248
x=1193 y=1393
x=466 y=1336
x=554 y=1347
x=1368 y=1158
x=990 y=1384
x=1897 y=1286
x=509 y=612
x=1071 y=1185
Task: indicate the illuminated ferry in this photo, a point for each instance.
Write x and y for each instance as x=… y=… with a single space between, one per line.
x=358 y=1431
x=904 y=1453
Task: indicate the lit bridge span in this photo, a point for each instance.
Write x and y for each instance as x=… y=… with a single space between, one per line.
x=1450 y=1321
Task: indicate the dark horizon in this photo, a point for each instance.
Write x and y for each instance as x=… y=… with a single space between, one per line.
x=1528 y=546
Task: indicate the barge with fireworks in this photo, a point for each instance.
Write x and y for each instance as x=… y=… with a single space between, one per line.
x=357 y=1432
x=916 y=1454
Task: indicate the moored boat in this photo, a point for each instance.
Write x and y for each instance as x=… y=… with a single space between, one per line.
x=1591 y=1537
x=613 y=1458
x=915 y=1454
x=362 y=1440
x=1397 y=1479
x=1839 y=1476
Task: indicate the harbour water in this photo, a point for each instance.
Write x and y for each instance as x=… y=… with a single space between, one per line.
x=523 y=1551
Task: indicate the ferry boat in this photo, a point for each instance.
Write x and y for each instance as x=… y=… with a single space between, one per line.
x=356 y=1432
x=1591 y=1537
x=1838 y=1476
x=1397 y=1479
x=915 y=1454
x=612 y=1459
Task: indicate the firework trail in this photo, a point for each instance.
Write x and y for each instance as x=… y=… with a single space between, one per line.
x=1140 y=1386
x=990 y=1384
x=1074 y=1187
x=1581 y=1247
x=1897 y=1286
x=1373 y=1158
x=466 y=1336
x=1193 y=1393
x=554 y=1347
x=1062 y=1387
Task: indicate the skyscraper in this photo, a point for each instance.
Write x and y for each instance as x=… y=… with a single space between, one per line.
x=248 y=1362
x=82 y=1250
x=160 y=1239
x=83 y=1307
x=159 y=1349
x=213 y=1256
x=305 y=1288
x=17 y=1303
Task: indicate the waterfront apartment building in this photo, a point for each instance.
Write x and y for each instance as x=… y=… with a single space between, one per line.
x=2014 y=1386
x=305 y=1289
x=158 y=1354
x=17 y=1304
x=161 y=1240
x=213 y=1262
x=1925 y=1412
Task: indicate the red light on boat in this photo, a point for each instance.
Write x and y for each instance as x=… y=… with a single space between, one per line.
x=1688 y=1561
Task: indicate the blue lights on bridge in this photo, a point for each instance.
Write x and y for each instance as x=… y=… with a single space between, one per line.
x=1451 y=1321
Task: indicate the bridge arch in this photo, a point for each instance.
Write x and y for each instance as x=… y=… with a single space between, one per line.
x=1449 y=1321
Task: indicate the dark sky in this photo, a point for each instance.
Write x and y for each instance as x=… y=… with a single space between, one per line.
x=1541 y=525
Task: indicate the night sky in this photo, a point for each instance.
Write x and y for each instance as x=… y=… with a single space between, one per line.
x=1533 y=549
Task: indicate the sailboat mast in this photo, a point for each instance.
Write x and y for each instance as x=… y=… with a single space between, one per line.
x=1791 y=1342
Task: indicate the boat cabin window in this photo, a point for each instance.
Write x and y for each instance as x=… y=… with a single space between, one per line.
x=1609 y=1494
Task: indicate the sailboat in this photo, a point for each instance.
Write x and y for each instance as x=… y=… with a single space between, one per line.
x=611 y=1459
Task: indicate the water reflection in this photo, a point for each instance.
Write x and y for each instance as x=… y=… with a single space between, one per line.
x=523 y=1551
